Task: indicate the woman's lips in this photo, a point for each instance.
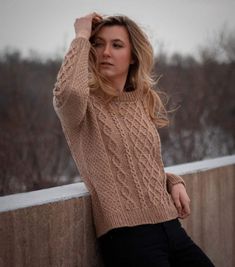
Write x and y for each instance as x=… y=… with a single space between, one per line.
x=106 y=64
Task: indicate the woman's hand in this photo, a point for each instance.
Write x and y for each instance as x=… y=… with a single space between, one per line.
x=83 y=25
x=181 y=200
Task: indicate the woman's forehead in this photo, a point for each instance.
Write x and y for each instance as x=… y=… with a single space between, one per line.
x=113 y=32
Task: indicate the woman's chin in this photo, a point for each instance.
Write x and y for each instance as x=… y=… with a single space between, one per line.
x=107 y=74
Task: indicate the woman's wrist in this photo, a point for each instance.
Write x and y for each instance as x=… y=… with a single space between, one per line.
x=83 y=35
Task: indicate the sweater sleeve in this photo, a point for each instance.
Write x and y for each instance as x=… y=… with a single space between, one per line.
x=71 y=91
x=173 y=179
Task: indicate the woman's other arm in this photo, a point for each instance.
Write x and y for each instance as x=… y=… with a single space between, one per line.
x=176 y=187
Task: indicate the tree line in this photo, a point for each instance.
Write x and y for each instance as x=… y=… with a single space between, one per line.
x=33 y=150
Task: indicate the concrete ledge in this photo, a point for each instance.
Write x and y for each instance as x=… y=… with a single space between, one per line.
x=203 y=165
x=44 y=196
x=76 y=190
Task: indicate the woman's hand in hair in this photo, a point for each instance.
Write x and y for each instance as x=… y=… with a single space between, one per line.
x=83 y=25
x=181 y=200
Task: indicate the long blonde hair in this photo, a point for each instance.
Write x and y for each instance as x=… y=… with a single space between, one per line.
x=140 y=72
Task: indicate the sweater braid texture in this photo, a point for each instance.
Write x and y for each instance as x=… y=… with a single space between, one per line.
x=116 y=148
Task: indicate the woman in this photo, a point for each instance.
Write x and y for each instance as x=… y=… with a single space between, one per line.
x=110 y=113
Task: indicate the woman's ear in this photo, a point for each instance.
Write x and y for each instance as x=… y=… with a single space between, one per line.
x=133 y=59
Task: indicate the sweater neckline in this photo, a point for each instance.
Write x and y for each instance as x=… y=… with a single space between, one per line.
x=128 y=96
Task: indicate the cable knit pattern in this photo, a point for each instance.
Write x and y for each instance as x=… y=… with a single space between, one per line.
x=142 y=140
x=112 y=147
x=115 y=146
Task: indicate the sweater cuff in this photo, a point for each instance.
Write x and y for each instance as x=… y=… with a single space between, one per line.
x=173 y=179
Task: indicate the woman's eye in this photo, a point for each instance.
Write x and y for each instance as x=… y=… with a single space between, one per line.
x=97 y=44
x=117 y=45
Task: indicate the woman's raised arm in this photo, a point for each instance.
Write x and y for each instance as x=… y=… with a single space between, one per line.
x=71 y=91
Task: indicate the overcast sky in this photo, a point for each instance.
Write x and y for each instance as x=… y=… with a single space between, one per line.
x=46 y=26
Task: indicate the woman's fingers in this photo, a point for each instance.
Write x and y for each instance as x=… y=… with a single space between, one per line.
x=97 y=16
x=185 y=203
x=181 y=200
x=177 y=202
x=96 y=19
x=83 y=25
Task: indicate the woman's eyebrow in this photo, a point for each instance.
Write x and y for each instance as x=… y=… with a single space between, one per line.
x=113 y=40
x=117 y=40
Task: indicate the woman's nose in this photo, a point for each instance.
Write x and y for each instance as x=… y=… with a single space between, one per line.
x=106 y=51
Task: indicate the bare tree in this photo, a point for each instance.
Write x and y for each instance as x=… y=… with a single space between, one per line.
x=34 y=153
x=203 y=125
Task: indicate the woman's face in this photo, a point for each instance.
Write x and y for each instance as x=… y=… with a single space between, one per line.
x=113 y=50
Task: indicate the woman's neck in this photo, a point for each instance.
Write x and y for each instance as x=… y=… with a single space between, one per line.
x=119 y=84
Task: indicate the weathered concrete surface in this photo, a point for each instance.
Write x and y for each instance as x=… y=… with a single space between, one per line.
x=212 y=221
x=56 y=234
x=62 y=234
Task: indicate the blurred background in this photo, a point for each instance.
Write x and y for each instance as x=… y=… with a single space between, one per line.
x=194 y=44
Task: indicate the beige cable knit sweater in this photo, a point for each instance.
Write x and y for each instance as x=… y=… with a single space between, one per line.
x=116 y=148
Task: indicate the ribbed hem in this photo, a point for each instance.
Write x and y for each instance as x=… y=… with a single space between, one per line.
x=174 y=179
x=135 y=217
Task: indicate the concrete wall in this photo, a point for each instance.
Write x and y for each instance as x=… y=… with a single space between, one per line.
x=212 y=221
x=53 y=227
x=56 y=234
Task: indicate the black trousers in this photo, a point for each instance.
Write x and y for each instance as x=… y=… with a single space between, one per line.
x=151 y=245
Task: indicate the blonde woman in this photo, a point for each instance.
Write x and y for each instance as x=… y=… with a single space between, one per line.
x=110 y=114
